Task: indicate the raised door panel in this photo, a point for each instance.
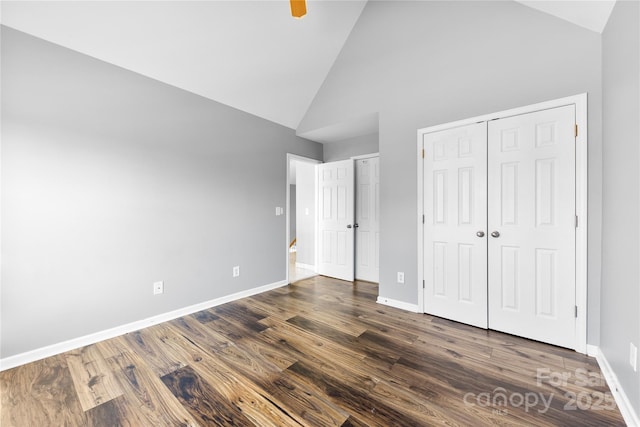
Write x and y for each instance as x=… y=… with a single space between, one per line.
x=531 y=205
x=367 y=213
x=455 y=257
x=336 y=205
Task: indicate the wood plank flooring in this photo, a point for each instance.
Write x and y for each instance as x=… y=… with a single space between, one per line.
x=319 y=352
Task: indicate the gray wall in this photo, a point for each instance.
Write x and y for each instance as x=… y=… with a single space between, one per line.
x=424 y=63
x=343 y=150
x=111 y=181
x=306 y=222
x=620 y=323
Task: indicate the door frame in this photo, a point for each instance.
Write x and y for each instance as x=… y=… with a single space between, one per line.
x=365 y=156
x=580 y=102
x=296 y=157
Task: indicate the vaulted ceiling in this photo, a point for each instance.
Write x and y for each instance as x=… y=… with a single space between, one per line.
x=251 y=55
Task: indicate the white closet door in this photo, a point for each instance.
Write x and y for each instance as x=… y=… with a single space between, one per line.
x=367 y=219
x=531 y=205
x=336 y=214
x=455 y=251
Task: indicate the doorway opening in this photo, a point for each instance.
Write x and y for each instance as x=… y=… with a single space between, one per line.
x=301 y=218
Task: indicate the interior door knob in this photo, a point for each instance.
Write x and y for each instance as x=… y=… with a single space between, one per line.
x=495 y=234
x=480 y=233
x=355 y=226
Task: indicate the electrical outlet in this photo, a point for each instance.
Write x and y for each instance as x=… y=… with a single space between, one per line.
x=236 y=271
x=400 y=277
x=633 y=357
x=158 y=288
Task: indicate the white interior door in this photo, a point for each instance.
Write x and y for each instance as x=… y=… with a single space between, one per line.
x=531 y=205
x=455 y=244
x=367 y=219
x=335 y=223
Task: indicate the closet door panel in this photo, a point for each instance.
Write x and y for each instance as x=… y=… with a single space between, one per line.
x=531 y=218
x=335 y=227
x=455 y=242
x=367 y=219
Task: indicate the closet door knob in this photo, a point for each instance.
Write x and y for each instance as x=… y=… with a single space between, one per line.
x=495 y=234
x=480 y=233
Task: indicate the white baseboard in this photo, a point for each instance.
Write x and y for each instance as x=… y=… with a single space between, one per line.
x=398 y=304
x=306 y=266
x=52 y=350
x=622 y=400
x=592 y=350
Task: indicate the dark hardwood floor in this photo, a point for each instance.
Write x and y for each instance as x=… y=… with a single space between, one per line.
x=319 y=352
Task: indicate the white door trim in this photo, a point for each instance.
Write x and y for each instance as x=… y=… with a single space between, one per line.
x=580 y=102
x=365 y=156
x=288 y=208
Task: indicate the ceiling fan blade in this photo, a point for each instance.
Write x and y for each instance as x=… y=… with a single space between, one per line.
x=298 y=8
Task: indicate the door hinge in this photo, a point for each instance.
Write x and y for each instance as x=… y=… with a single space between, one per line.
x=576 y=221
x=423 y=219
x=576 y=132
x=423 y=285
x=576 y=311
x=423 y=153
